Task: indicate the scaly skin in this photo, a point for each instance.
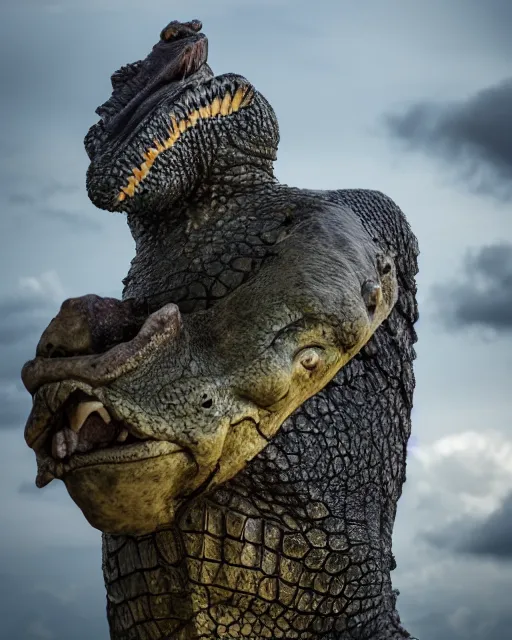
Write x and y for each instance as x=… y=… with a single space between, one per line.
x=283 y=548
x=297 y=543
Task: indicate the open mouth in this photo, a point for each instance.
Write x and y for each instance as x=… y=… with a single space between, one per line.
x=84 y=425
x=218 y=98
x=157 y=103
x=80 y=431
x=74 y=422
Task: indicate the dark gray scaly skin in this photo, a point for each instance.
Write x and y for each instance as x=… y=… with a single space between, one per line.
x=298 y=543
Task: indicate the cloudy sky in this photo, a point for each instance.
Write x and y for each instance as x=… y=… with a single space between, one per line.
x=412 y=98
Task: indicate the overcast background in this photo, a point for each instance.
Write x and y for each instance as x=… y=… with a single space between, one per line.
x=412 y=98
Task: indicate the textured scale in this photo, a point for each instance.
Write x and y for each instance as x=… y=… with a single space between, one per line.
x=298 y=544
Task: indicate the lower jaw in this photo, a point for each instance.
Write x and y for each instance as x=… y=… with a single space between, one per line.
x=123 y=454
x=49 y=468
x=131 y=497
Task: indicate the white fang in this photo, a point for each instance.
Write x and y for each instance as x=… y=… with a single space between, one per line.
x=79 y=414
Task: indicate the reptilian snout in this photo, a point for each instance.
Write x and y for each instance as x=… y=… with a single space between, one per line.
x=81 y=332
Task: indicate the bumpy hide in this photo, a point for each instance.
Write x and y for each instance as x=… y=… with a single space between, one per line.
x=237 y=425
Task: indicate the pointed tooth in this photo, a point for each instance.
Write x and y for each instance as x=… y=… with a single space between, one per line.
x=193 y=117
x=238 y=97
x=82 y=411
x=225 y=107
x=158 y=145
x=129 y=190
x=122 y=436
x=205 y=112
x=215 y=106
x=104 y=414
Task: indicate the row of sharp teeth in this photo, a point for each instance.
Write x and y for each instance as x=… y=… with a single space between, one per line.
x=224 y=106
x=79 y=414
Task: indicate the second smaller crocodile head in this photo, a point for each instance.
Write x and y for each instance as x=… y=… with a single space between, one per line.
x=161 y=130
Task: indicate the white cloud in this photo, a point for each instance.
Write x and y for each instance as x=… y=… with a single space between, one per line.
x=454 y=480
x=467 y=473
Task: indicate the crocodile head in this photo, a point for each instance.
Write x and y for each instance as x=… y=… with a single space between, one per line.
x=137 y=416
x=166 y=123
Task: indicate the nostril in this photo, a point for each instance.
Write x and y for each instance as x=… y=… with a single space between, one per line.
x=384 y=265
x=176 y=30
x=57 y=352
x=207 y=402
x=372 y=295
x=386 y=268
x=49 y=350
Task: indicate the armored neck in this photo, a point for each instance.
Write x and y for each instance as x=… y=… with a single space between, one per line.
x=233 y=177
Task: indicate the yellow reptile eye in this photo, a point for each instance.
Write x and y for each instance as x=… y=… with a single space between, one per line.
x=309 y=359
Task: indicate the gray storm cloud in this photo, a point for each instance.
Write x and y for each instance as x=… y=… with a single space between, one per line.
x=488 y=537
x=473 y=137
x=482 y=296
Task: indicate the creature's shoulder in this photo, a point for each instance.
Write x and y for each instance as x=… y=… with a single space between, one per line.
x=387 y=224
x=381 y=217
x=383 y=221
